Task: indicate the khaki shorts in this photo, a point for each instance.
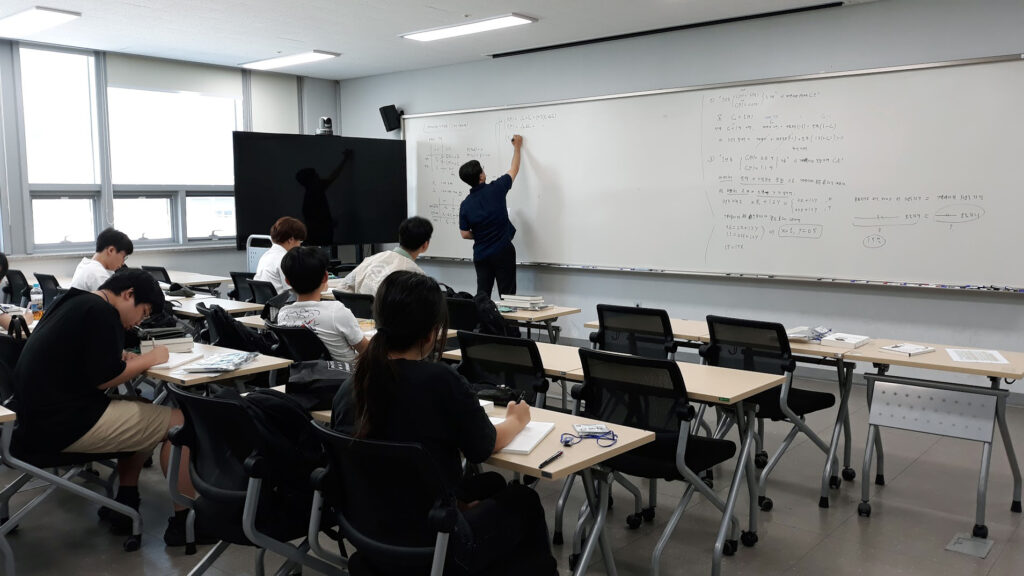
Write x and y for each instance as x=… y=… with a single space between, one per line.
x=125 y=426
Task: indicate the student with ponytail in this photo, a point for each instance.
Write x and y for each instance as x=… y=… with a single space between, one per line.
x=399 y=393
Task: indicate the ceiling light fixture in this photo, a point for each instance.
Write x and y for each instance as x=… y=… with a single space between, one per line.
x=35 y=19
x=487 y=24
x=294 y=59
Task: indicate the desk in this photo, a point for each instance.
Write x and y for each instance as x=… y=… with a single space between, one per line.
x=187 y=308
x=540 y=319
x=940 y=360
x=195 y=279
x=262 y=363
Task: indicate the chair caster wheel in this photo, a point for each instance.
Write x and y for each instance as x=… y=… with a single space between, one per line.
x=834 y=482
x=823 y=502
x=730 y=548
x=849 y=474
x=1015 y=506
x=880 y=479
x=573 y=559
x=133 y=543
x=748 y=538
x=761 y=459
x=980 y=531
x=864 y=509
x=633 y=521
x=648 y=514
x=765 y=503
x=556 y=538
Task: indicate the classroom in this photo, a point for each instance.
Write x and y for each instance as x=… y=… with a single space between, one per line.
x=123 y=115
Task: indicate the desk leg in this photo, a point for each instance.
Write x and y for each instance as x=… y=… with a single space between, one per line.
x=744 y=464
x=597 y=536
x=1011 y=455
x=828 y=477
x=877 y=436
x=980 y=530
x=552 y=333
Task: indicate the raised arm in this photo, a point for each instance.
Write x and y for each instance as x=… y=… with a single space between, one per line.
x=517 y=143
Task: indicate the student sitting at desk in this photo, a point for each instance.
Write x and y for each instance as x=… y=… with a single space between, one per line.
x=305 y=270
x=286 y=233
x=5 y=316
x=413 y=239
x=397 y=394
x=75 y=355
x=112 y=247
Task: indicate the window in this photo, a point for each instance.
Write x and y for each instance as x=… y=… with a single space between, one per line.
x=62 y=220
x=144 y=218
x=58 y=95
x=210 y=216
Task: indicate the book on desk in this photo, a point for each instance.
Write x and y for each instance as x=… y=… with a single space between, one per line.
x=528 y=438
x=843 y=340
x=908 y=349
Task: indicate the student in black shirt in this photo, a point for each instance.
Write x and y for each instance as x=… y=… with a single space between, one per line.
x=397 y=394
x=75 y=355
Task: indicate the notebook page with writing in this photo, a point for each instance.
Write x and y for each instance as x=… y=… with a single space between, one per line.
x=527 y=440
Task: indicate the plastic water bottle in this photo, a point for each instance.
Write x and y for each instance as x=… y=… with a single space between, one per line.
x=36 y=301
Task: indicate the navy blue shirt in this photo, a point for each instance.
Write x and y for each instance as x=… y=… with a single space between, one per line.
x=485 y=213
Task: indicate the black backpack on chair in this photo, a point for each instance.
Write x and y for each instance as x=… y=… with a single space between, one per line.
x=491 y=321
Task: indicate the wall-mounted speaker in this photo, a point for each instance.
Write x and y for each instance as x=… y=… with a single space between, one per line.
x=391 y=116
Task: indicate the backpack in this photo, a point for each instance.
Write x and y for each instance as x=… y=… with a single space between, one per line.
x=314 y=383
x=491 y=321
x=274 y=305
x=450 y=292
x=233 y=334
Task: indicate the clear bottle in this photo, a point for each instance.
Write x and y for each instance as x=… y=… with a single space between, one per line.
x=36 y=301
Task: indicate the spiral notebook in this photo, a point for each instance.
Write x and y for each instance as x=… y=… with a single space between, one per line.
x=527 y=440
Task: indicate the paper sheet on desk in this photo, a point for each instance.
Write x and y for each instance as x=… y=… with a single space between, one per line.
x=984 y=356
x=527 y=440
x=176 y=359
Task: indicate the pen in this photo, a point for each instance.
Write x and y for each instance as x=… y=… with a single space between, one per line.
x=556 y=456
x=522 y=396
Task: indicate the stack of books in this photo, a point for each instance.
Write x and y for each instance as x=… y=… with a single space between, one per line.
x=522 y=301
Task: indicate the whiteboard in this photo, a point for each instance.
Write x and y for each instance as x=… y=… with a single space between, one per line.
x=904 y=176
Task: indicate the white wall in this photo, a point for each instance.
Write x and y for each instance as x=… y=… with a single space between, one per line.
x=885 y=33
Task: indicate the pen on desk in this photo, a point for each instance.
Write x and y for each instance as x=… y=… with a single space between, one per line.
x=554 y=457
x=522 y=396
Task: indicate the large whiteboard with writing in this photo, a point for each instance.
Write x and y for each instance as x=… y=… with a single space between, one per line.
x=913 y=176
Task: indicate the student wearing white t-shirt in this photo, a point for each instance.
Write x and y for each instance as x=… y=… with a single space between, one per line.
x=305 y=269
x=286 y=233
x=112 y=247
x=413 y=239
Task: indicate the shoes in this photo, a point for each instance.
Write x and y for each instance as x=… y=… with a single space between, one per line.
x=119 y=523
x=174 y=535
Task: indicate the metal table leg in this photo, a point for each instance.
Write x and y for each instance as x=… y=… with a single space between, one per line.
x=597 y=536
x=1011 y=455
x=744 y=464
x=828 y=476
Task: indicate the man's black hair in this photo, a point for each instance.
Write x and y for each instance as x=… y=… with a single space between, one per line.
x=4 y=265
x=470 y=172
x=147 y=291
x=119 y=240
x=304 y=268
x=414 y=232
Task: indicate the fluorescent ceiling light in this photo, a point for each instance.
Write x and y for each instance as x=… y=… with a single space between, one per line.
x=282 y=61
x=485 y=25
x=28 y=22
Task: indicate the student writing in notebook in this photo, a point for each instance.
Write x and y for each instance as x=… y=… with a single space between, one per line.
x=399 y=394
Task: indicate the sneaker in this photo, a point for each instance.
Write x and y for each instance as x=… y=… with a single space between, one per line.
x=174 y=535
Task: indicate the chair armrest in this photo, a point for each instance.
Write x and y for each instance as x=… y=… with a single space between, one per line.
x=687 y=414
x=595 y=338
x=576 y=391
x=704 y=351
x=180 y=436
x=255 y=466
x=318 y=479
x=443 y=516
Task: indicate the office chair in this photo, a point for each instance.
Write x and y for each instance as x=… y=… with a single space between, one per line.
x=462 y=314
x=247 y=493
x=242 y=290
x=764 y=347
x=490 y=361
x=368 y=485
x=50 y=286
x=262 y=291
x=650 y=394
x=159 y=273
x=20 y=289
x=300 y=343
x=361 y=305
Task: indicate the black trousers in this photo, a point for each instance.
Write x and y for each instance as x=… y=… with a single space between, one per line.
x=510 y=533
x=501 y=267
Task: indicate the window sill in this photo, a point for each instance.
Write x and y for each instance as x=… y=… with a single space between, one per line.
x=192 y=247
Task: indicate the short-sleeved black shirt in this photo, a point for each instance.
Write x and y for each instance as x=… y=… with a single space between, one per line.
x=75 y=349
x=485 y=213
x=431 y=404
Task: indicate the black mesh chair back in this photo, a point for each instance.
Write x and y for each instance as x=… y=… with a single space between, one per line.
x=389 y=498
x=748 y=345
x=262 y=291
x=631 y=330
x=50 y=286
x=361 y=305
x=462 y=314
x=159 y=273
x=489 y=360
x=300 y=343
x=242 y=290
x=18 y=286
x=212 y=333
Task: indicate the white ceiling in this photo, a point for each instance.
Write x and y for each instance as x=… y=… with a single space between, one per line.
x=366 y=32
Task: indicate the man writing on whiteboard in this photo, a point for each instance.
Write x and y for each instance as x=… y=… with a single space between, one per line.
x=483 y=218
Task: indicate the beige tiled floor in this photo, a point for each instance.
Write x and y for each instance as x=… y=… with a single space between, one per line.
x=928 y=497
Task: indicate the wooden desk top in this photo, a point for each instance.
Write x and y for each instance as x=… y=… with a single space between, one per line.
x=233 y=307
x=559 y=361
x=195 y=279
x=937 y=360
x=7 y=415
x=692 y=330
x=262 y=363
x=540 y=315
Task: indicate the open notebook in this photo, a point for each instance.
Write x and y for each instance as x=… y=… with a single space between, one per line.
x=527 y=440
x=176 y=359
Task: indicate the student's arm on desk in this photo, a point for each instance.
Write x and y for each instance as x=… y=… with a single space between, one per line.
x=137 y=365
x=517 y=416
x=362 y=345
